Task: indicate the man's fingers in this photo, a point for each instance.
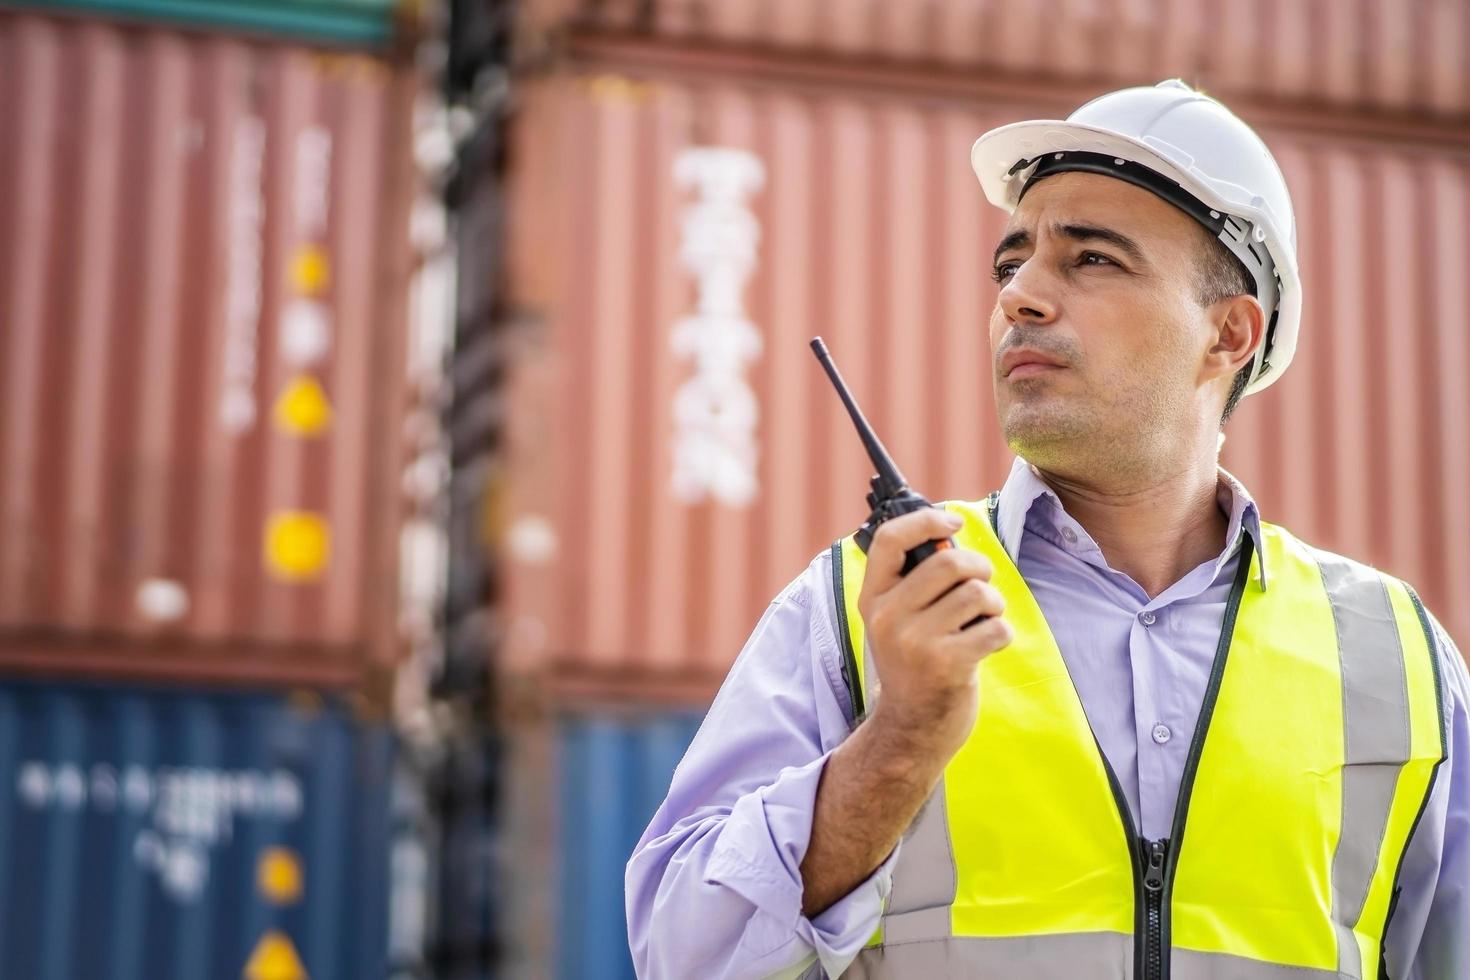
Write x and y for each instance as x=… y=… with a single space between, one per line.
x=985 y=637
x=895 y=538
x=966 y=601
x=939 y=573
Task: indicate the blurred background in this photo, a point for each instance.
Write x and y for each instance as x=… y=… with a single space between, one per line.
x=405 y=413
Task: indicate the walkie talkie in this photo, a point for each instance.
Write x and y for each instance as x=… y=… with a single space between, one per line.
x=890 y=494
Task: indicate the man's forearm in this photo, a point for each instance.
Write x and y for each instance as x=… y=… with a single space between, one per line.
x=871 y=790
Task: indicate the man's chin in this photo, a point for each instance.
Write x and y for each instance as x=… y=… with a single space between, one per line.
x=1040 y=430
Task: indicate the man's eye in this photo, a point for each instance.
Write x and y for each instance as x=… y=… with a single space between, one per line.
x=1004 y=271
x=1094 y=258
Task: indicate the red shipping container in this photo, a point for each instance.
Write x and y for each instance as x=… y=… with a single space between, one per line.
x=203 y=269
x=873 y=232
x=1393 y=55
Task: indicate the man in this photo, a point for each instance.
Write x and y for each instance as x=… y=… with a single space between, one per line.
x=1127 y=729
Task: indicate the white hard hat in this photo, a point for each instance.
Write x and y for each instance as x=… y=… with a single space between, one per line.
x=1194 y=153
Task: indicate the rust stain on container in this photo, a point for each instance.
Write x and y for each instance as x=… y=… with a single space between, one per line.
x=874 y=234
x=195 y=226
x=1395 y=57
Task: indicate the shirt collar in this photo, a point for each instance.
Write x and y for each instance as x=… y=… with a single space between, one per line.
x=1023 y=488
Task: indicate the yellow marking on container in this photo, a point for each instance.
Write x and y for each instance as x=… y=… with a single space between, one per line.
x=302 y=408
x=309 y=270
x=278 y=875
x=275 y=958
x=298 y=545
x=619 y=89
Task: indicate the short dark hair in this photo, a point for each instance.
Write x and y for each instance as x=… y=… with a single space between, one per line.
x=1220 y=275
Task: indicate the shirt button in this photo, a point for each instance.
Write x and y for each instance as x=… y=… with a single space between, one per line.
x=1070 y=535
x=1162 y=734
x=1147 y=617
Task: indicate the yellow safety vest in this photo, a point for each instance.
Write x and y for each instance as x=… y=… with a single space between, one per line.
x=1317 y=744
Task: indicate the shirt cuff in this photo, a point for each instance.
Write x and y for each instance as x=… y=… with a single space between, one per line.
x=759 y=856
x=841 y=932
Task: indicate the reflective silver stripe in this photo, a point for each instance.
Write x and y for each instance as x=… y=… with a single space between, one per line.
x=1094 y=955
x=924 y=879
x=1186 y=964
x=1068 y=956
x=1375 y=709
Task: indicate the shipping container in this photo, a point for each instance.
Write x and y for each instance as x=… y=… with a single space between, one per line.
x=675 y=455
x=203 y=272
x=356 y=23
x=584 y=782
x=146 y=833
x=1398 y=56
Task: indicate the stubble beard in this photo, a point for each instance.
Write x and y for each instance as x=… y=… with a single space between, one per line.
x=1114 y=440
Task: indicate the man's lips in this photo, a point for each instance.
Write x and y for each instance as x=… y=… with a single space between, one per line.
x=1030 y=369
x=1019 y=364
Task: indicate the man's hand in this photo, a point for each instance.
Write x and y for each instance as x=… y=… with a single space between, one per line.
x=924 y=653
x=925 y=656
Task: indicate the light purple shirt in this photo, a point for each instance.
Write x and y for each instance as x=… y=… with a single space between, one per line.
x=714 y=887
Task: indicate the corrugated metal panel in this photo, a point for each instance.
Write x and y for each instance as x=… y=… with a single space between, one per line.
x=146 y=834
x=874 y=234
x=1392 y=56
x=613 y=772
x=197 y=228
x=348 y=22
x=581 y=783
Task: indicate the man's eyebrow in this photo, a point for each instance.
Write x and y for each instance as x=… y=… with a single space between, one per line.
x=1079 y=233
x=1016 y=239
x=1084 y=233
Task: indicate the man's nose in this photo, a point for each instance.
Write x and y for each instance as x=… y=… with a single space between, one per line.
x=1029 y=295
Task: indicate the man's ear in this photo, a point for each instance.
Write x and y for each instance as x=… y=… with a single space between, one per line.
x=1240 y=328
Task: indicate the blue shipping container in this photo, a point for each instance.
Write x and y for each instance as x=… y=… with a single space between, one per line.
x=615 y=771
x=155 y=834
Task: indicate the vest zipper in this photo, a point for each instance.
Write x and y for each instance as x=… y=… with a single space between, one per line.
x=1155 y=854
x=1161 y=857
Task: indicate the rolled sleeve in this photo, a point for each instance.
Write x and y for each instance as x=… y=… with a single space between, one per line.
x=714 y=887
x=770 y=830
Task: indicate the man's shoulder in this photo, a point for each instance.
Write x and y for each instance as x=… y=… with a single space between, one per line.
x=1347 y=573
x=1326 y=556
x=810 y=582
x=1454 y=682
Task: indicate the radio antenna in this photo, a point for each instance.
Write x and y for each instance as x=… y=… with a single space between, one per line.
x=890 y=480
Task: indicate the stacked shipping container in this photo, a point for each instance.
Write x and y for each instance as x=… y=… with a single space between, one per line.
x=847 y=128
x=874 y=235
x=149 y=833
x=1404 y=58
x=203 y=292
x=586 y=778
x=204 y=263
